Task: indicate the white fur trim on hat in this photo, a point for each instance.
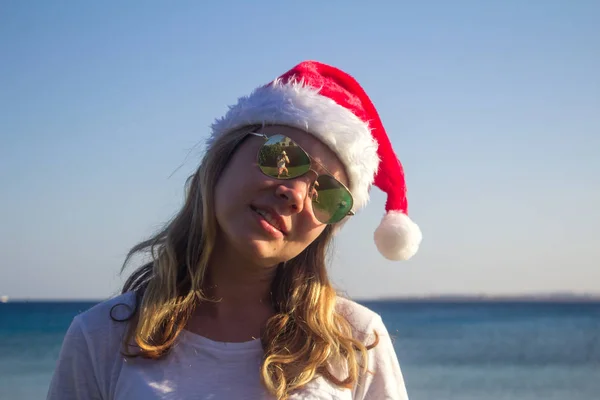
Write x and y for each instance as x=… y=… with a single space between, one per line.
x=397 y=237
x=302 y=107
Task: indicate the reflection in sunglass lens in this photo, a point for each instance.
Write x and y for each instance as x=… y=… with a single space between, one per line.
x=331 y=201
x=281 y=158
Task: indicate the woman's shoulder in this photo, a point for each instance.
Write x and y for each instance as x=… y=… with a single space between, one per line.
x=109 y=316
x=355 y=312
x=90 y=354
x=362 y=319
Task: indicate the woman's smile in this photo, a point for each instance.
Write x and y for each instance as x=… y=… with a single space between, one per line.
x=270 y=221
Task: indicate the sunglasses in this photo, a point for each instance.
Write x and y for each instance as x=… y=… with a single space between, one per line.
x=282 y=158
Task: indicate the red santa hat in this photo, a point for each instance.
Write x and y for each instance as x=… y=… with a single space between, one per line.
x=331 y=105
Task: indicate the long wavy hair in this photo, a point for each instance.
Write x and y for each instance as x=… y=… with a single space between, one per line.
x=300 y=341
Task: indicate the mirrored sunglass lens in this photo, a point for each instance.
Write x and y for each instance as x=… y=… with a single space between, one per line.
x=280 y=157
x=331 y=201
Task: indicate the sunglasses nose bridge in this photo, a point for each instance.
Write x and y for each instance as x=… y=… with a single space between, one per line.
x=311 y=176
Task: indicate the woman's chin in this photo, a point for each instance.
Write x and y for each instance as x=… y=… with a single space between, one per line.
x=259 y=252
x=269 y=254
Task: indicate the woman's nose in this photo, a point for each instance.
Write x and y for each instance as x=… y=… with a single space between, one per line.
x=293 y=192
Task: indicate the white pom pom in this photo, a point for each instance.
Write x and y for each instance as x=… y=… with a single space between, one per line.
x=397 y=237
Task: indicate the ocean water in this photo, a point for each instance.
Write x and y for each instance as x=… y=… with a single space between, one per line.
x=450 y=351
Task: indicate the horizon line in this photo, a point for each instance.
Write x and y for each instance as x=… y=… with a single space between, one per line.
x=543 y=296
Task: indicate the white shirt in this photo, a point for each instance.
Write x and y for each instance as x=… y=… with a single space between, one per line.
x=90 y=365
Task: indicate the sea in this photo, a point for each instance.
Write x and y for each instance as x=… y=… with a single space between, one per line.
x=448 y=350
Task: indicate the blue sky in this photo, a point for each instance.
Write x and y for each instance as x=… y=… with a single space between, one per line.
x=493 y=108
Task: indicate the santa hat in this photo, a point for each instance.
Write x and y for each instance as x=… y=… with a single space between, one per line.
x=331 y=105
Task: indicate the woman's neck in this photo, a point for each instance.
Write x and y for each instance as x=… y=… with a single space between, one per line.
x=235 y=281
x=240 y=301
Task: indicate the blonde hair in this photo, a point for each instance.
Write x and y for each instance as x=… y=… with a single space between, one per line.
x=299 y=341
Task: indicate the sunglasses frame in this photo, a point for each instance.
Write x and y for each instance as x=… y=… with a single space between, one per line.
x=311 y=159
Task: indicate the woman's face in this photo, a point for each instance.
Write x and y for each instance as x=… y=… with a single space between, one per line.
x=266 y=220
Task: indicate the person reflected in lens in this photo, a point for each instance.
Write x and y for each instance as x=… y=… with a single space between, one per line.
x=282 y=160
x=314 y=192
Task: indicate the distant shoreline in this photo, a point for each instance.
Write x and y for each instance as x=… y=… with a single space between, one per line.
x=525 y=298
x=533 y=298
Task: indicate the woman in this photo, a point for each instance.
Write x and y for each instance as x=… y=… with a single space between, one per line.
x=235 y=302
